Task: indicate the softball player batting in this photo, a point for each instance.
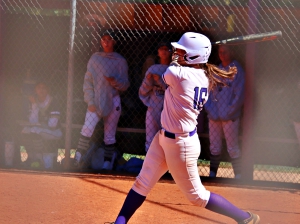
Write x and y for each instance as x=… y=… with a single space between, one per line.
x=152 y=92
x=176 y=146
x=106 y=76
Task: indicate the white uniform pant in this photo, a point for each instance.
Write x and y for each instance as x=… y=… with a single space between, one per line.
x=228 y=129
x=179 y=156
x=152 y=125
x=110 y=122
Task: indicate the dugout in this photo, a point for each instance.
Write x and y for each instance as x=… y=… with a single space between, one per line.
x=39 y=39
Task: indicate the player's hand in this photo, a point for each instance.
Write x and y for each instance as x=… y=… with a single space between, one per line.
x=149 y=77
x=32 y=99
x=92 y=108
x=110 y=79
x=156 y=77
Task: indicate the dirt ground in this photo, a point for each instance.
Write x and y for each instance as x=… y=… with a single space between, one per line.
x=45 y=197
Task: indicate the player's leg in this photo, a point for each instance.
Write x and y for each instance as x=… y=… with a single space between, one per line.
x=110 y=129
x=181 y=157
x=219 y=204
x=231 y=132
x=85 y=147
x=50 y=140
x=154 y=167
x=215 y=140
x=152 y=125
x=34 y=146
x=149 y=128
x=26 y=141
x=39 y=148
x=48 y=134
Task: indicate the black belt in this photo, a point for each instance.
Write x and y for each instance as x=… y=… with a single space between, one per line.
x=173 y=136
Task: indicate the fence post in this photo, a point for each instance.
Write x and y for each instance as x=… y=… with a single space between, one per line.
x=68 y=134
x=248 y=137
x=1 y=91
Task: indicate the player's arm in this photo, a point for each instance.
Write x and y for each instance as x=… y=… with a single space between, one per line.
x=171 y=75
x=122 y=82
x=146 y=88
x=158 y=81
x=238 y=86
x=54 y=118
x=88 y=85
x=34 y=111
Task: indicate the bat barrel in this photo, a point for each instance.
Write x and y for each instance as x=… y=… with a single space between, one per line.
x=251 y=38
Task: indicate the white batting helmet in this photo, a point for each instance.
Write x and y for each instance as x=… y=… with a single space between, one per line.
x=197 y=47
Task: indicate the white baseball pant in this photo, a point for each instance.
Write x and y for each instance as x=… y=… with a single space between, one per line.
x=179 y=156
x=153 y=125
x=110 y=122
x=230 y=130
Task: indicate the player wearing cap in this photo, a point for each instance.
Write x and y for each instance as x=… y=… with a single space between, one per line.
x=106 y=76
x=176 y=146
x=152 y=91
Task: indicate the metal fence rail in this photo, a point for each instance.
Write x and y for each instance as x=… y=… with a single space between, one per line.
x=51 y=41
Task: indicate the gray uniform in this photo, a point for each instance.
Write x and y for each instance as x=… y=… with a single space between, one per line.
x=224 y=108
x=104 y=94
x=152 y=95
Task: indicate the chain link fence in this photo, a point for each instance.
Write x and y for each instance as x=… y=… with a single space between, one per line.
x=38 y=45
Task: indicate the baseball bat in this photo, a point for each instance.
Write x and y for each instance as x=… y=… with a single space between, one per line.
x=259 y=37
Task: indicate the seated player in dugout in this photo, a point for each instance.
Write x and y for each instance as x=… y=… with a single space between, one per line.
x=105 y=78
x=152 y=90
x=44 y=124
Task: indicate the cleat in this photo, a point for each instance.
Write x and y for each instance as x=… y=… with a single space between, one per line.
x=86 y=158
x=238 y=176
x=253 y=219
x=77 y=159
x=109 y=165
x=106 y=165
x=212 y=174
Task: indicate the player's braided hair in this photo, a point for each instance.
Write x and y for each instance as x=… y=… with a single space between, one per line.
x=215 y=75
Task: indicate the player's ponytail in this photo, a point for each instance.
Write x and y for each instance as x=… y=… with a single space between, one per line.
x=215 y=75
